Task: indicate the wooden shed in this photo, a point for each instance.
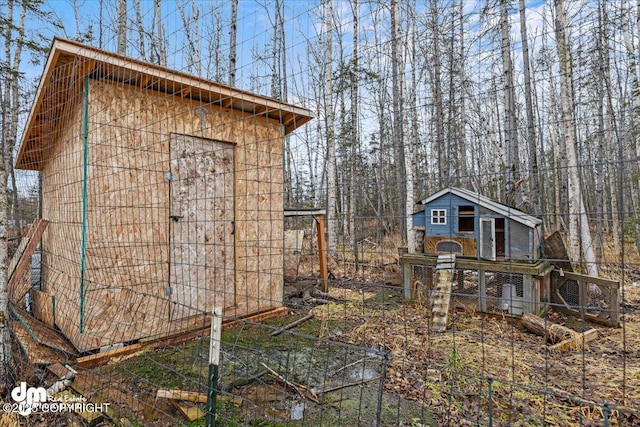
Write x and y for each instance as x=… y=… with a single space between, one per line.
x=163 y=192
x=460 y=221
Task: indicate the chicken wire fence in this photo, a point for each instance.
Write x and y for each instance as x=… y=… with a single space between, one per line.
x=365 y=355
x=143 y=197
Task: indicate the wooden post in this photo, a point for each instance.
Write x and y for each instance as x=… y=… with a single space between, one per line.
x=322 y=253
x=214 y=361
x=406 y=281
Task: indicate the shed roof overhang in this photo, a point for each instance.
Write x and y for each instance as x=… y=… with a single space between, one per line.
x=68 y=64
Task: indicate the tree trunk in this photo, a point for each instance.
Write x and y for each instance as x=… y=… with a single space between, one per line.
x=408 y=156
x=579 y=233
x=276 y=76
x=122 y=27
x=197 y=60
x=510 y=122
x=600 y=153
x=159 y=44
x=534 y=187
x=10 y=109
x=355 y=136
x=14 y=91
x=332 y=223
x=193 y=58
x=633 y=130
x=398 y=120
x=461 y=102
x=141 y=31
x=438 y=107
x=233 y=32
x=412 y=108
x=215 y=69
x=615 y=219
x=100 y=23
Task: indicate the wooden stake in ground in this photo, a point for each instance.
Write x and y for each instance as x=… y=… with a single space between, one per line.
x=214 y=361
x=560 y=336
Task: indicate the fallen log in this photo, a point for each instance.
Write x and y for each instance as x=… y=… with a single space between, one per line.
x=239 y=382
x=560 y=336
x=292 y=325
x=575 y=342
x=313 y=295
x=579 y=401
x=543 y=327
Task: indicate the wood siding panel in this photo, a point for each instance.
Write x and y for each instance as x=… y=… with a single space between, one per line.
x=62 y=207
x=43 y=307
x=469 y=245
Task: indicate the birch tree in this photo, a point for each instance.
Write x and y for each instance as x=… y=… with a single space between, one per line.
x=233 y=33
x=436 y=89
x=15 y=40
x=140 y=29
x=599 y=70
x=510 y=121
x=213 y=61
x=398 y=117
x=9 y=118
x=121 y=31
x=579 y=233
x=409 y=165
x=355 y=135
x=158 y=43
x=634 y=122
x=332 y=223
x=532 y=138
x=194 y=64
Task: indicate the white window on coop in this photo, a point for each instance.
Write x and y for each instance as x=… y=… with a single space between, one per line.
x=438 y=216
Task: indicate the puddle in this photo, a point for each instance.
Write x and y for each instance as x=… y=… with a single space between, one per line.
x=342 y=377
x=296 y=412
x=362 y=374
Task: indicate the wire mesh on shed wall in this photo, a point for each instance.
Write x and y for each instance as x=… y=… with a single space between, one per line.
x=161 y=207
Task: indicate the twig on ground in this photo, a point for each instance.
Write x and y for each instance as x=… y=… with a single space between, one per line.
x=302 y=390
x=292 y=324
x=340 y=387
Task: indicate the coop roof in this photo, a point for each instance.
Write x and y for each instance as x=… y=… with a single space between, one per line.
x=492 y=205
x=69 y=62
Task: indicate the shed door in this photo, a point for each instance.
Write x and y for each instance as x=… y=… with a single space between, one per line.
x=487 y=238
x=202 y=213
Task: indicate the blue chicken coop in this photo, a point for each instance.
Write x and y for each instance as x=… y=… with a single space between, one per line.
x=492 y=250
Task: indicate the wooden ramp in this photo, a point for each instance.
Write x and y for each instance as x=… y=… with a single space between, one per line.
x=441 y=294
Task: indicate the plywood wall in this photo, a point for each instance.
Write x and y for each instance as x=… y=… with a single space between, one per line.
x=469 y=244
x=128 y=251
x=62 y=207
